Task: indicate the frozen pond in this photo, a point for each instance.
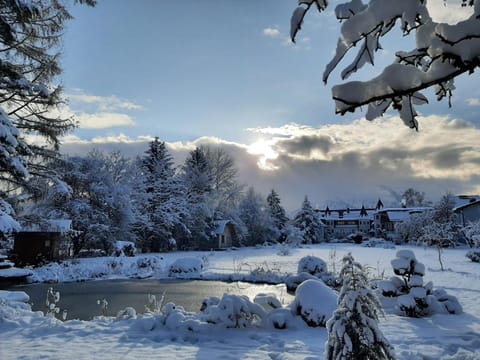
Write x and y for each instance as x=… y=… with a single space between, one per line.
x=80 y=298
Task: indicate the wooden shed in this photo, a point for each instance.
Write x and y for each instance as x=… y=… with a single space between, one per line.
x=223 y=234
x=50 y=241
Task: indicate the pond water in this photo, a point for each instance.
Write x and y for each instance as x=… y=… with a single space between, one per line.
x=80 y=299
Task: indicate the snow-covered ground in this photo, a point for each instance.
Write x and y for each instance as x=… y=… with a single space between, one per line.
x=175 y=334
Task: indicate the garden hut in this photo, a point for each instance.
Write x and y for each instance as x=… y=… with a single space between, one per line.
x=223 y=233
x=45 y=242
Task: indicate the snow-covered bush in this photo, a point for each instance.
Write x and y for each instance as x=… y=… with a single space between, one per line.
x=378 y=242
x=127 y=313
x=474 y=255
x=185 y=266
x=125 y=248
x=472 y=233
x=267 y=301
x=316 y=267
x=293 y=281
x=312 y=265
x=233 y=311
x=282 y=319
x=353 y=331
x=315 y=302
x=414 y=298
x=147 y=262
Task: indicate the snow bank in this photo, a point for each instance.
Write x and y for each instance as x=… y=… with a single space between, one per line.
x=19 y=296
x=315 y=302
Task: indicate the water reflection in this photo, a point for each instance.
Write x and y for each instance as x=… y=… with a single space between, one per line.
x=81 y=299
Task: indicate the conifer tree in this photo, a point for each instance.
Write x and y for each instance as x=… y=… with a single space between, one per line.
x=30 y=42
x=277 y=213
x=353 y=332
x=159 y=199
x=198 y=182
x=307 y=221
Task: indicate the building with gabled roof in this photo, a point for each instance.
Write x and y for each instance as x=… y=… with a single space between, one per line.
x=340 y=223
x=468 y=212
x=223 y=234
x=385 y=219
x=46 y=241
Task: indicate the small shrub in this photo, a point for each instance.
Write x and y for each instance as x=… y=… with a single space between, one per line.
x=233 y=311
x=186 y=266
x=474 y=255
x=53 y=297
x=312 y=265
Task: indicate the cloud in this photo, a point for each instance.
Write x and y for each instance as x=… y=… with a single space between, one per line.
x=271 y=32
x=103 y=103
x=97 y=112
x=339 y=163
x=275 y=33
x=473 y=102
x=103 y=120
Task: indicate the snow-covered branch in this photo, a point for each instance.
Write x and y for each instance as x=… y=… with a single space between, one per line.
x=443 y=52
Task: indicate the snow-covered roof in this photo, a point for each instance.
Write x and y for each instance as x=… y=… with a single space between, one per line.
x=220 y=226
x=467 y=204
x=344 y=214
x=57 y=225
x=401 y=214
x=398 y=215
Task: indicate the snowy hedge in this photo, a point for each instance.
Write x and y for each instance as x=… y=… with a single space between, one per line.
x=186 y=266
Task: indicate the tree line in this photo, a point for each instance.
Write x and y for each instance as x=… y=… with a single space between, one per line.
x=160 y=206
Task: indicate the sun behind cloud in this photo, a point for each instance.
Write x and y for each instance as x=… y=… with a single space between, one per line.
x=264 y=148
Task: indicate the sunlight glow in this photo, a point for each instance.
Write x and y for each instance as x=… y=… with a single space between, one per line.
x=264 y=149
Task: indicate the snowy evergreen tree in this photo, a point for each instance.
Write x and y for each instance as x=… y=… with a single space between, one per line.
x=441 y=53
x=260 y=226
x=308 y=222
x=277 y=213
x=30 y=37
x=198 y=182
x=159 y=198
x=414 y=298
x=353 y=332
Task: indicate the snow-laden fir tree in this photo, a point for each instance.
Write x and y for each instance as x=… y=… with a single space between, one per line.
x=198 y=181
x=159 y=198
x=30 y=42
x=353 y=332
x=277 y=213
x=441 y=53
x=308 y=222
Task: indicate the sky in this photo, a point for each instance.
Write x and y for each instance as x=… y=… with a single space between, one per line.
x=224 y=73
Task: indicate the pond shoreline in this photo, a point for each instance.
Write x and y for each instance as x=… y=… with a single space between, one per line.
x=81 y=299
